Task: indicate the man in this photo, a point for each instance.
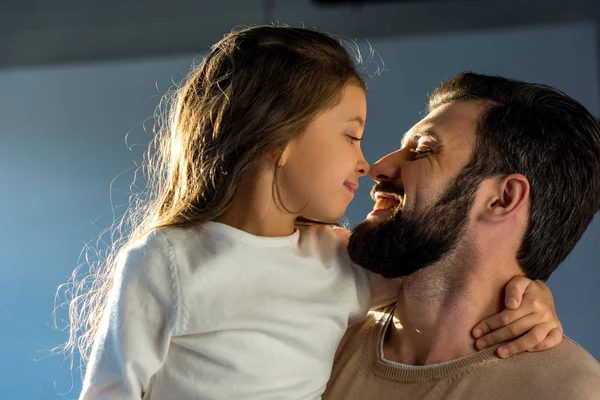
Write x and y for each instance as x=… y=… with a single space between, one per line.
x=500 y=178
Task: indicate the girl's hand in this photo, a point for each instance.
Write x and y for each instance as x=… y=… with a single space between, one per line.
x=529 y=318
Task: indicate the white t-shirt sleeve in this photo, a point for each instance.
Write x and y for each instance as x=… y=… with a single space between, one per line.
x=359 y=276
x=363 y=294
x=141 y=316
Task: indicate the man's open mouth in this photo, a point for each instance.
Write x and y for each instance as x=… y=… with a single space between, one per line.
x=385 y=201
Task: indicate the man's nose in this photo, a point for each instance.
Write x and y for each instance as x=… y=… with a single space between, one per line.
x=386 y=169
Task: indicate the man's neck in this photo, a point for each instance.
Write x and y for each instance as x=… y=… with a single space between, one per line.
x=439 y=307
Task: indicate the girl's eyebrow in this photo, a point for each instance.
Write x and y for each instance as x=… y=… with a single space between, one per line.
x=358 y=119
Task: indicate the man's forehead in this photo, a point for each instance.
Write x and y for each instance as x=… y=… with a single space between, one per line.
x=445 y=121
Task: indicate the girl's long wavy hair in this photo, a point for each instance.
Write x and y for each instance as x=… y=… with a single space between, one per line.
x=256 y=90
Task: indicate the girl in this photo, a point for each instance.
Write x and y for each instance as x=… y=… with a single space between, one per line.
x=229 y=287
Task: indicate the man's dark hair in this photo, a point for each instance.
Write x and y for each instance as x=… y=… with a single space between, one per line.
x=551 y=139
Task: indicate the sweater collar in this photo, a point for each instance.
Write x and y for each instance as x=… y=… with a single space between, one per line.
x=415 y=373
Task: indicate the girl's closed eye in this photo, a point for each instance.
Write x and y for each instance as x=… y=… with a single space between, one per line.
x=353 y=139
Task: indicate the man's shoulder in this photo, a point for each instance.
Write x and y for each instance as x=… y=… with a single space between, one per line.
x=577 y=363
x=571 y=349
x=569 y=354
x=566 y=371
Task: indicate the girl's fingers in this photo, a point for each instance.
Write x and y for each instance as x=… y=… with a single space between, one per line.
x=526 y=342
x=514 y=291
x=509 y=332
x=499 y=320
x=553 y=339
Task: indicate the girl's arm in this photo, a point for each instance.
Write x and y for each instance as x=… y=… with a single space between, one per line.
x=133 y=338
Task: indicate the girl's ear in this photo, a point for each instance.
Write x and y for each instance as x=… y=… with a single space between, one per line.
x=284 y=155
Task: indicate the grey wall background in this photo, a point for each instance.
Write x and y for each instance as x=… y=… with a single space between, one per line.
x=62 y=142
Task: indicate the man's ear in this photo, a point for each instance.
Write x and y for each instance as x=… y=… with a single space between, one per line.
x=509 y=196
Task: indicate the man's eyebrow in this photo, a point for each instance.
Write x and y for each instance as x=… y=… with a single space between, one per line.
x=414 y=137
x=358 y=119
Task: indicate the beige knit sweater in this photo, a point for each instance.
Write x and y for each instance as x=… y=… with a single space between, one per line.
x=360 y=372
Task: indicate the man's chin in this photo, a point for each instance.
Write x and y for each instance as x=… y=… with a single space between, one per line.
x=395 y=247
x=369 y=245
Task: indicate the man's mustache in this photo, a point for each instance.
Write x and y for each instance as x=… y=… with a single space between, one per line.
x=387 y=187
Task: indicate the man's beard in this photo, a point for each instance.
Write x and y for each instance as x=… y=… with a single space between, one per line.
x=410 y=241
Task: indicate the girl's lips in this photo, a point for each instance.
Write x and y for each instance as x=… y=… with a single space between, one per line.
x=351 y=186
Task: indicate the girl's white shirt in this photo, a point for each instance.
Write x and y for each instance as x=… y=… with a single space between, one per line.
x=213 y=312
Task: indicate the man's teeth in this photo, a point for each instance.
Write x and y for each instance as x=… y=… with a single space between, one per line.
x=384 y=204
